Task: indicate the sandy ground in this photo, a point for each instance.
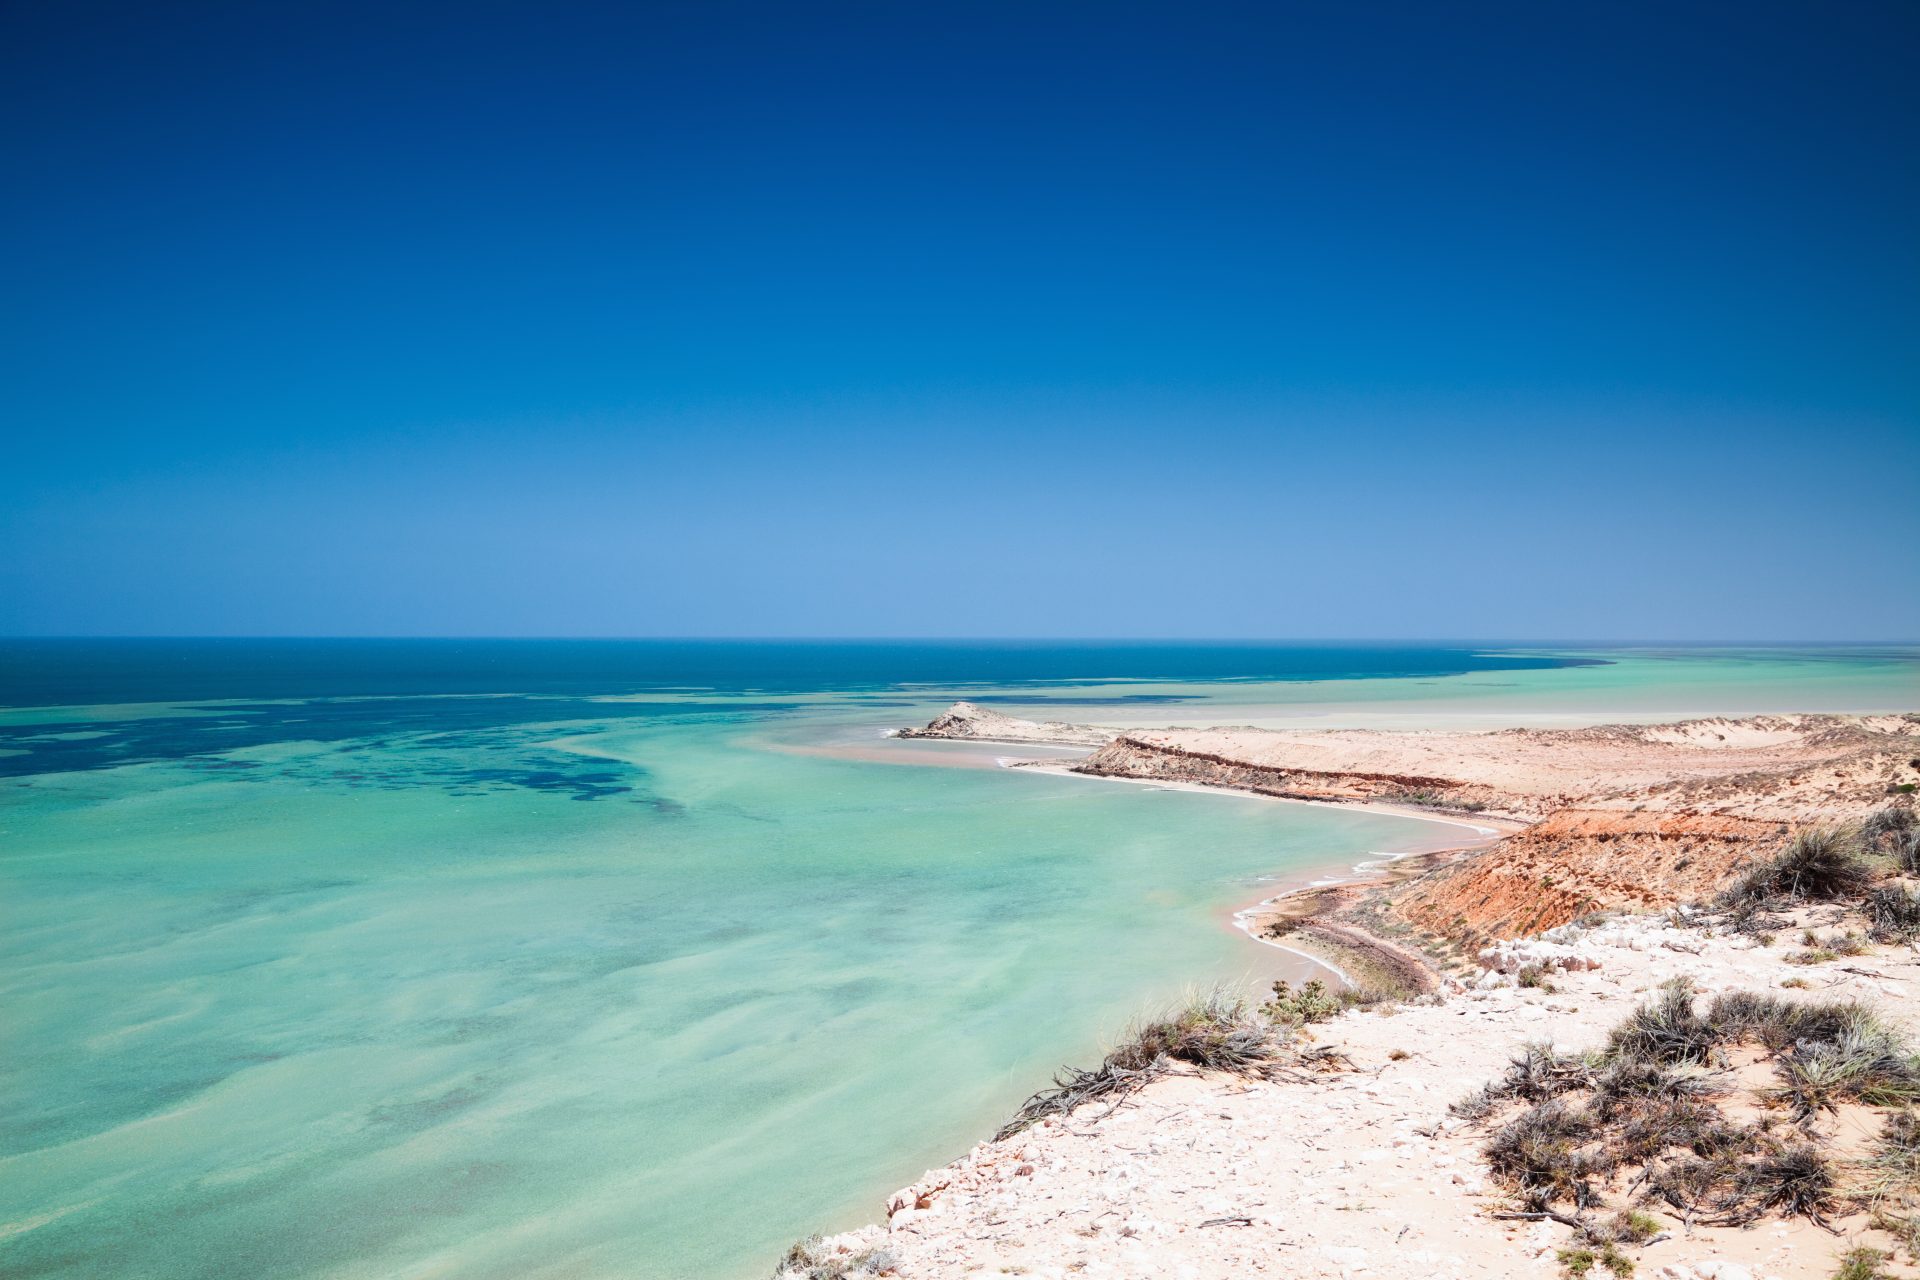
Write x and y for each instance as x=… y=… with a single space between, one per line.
x=1357 y=1173
x=1768 y=767
x=1362 y=1172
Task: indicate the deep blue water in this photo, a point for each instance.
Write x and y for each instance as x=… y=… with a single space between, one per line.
x=65 y=672
x=258 y=692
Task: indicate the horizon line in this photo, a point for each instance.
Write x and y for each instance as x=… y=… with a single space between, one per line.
x=1457 y=641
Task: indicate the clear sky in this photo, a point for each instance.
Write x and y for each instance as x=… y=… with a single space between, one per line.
x=1279 y=320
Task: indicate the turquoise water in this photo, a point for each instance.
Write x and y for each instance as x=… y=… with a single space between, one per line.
x=642 y=976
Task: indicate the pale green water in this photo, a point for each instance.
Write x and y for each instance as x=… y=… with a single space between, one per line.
x=388 y=999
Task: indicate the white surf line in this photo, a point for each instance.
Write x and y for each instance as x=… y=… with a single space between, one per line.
x=1243 y=918
x=1241 y=923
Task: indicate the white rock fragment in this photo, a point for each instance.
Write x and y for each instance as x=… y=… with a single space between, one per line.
x=1721 y=1269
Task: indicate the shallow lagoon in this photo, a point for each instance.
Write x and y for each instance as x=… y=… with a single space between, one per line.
x=413 y=985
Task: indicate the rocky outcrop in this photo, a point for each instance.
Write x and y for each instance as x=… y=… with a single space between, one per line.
x=1801 y=767
x=970 y=721
x=1130 y=756
x=1577 y=862
x=1624 y=817
x=1572 y=947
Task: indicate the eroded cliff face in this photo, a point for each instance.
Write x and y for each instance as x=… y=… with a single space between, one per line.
x=1579 y=861
x=1133 y=757
x=1657 y=843
x=1792 y=768
x=1621 y=817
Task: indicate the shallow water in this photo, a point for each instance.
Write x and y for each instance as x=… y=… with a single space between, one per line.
x=383 y=981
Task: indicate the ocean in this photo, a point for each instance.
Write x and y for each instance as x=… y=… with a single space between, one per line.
x=329 y=959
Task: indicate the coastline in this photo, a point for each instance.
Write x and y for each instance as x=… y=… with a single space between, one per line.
x=1347 y=1164
x=1352 y=955
x=1491 y=828
x=1194 y=1150
x=1355 y=957
x=1361 y=960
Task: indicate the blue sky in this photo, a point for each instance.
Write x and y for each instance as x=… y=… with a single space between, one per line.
x=1596 y=321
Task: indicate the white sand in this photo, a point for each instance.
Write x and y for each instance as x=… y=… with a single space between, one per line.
x=1352 y=1175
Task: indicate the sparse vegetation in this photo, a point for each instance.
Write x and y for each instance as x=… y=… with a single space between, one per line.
x=1539 y=1073
x=810 y=1259
x=1548 y=1156
x=1631 y=1227
x=1896 y=1158
x=1747 y=917
x=1818 y=864
x=1778 y=1024
x=1892 y=1188
x=1215 y=1030
x=1535 y=977
x=1863 y=1264
x=1885 y=830
x=1430 y=798
x=1666 y=1030
x=1580 y=1262
x=1865 y=1061
x=1793 y=1181
x=1640 y=1122
x=1893 y=913
x=1314 y=1003
x=1577 y=1262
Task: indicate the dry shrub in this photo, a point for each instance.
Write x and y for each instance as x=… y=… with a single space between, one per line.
x=1818 y=864
x=1642 y=1118
x=810 y=1259
x=1216 y=1030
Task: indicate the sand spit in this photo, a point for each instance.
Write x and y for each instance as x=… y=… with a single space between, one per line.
x=975 y=723
x=1778 y=768
x=1352 y=1166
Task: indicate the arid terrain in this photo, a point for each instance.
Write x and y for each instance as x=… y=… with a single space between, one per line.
x=1775 y=768
x=1358 y=1168
x=1613 y=817
x=1713 y=959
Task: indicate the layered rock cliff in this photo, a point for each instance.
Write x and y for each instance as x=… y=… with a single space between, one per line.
x=1130 y=756
x=1576 y=862
x=1635 y=817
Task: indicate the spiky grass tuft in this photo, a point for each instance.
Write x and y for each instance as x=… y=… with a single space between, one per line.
x=1215 y=1030
x=1819 y=864
x=1667 y=1030
x=1864 y=1263
x=1542 y=1154
x=1893 y=913
x=1885 y=831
